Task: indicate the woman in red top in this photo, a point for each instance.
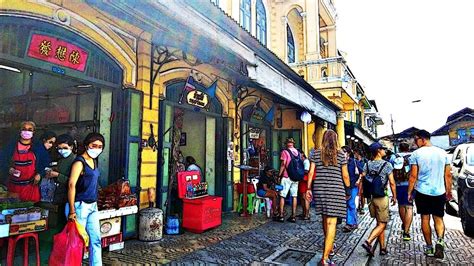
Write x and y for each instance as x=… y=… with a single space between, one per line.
x=23 y=178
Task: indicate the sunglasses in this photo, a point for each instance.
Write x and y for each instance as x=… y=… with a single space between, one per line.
x=28 y=129
x=50 y=142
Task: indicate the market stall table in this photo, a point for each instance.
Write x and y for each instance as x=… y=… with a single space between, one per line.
x=245 y=173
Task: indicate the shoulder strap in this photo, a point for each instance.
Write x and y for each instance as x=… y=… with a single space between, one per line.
x=291 y=154
x=381 y=168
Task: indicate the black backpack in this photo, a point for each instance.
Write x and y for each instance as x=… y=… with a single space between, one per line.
x=295 y=168
x=373 y=185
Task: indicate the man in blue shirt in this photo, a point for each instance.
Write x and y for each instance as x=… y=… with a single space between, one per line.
x=431 y=172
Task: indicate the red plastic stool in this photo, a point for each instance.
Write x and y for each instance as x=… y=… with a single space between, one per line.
x=12 y=244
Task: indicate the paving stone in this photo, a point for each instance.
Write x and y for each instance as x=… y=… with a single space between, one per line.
x=259 y=241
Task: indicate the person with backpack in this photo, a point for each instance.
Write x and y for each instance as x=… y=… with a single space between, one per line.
x=291 y=172
x=377 y=173
x=361 y=161
x=329 y=189
x=401 y=174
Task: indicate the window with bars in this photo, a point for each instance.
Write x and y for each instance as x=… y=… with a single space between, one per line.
x=290 y=44
x=261 y=23
x=245 y=14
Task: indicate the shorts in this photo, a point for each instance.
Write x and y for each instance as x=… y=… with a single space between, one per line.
x=261 y=193
x=302 y=186
x=402 y=196
x=289 y=186
x=379 y=209
x=426 y=204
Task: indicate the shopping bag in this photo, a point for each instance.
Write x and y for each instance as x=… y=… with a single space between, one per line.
x=47 y=189
x=83 y=233
x=68 y=247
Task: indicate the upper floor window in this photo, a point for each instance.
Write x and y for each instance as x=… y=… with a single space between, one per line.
x=462 y=134
x=290 y=43
x=322 y=47
x=215 y=2
x=261 y=23
x=245 y=14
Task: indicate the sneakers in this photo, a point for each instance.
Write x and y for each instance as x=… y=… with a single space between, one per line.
x=333 y=251
x=348 y=228
x=428 y=251
x=327 y=262
x=439 y=249
x=406 y=236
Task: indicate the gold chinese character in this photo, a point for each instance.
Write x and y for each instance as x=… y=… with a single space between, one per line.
x=61 y=52
x=45 y=47
x=74 y=57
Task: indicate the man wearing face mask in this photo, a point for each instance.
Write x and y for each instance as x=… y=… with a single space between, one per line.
x=19 y=161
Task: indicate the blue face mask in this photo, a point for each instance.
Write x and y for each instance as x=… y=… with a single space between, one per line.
x=64 y=152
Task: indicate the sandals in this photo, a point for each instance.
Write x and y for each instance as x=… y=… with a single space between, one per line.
x=368 y=247
x=292 y=219
x=383 y=251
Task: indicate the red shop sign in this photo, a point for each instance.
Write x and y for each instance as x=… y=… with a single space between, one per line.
x=58 y=52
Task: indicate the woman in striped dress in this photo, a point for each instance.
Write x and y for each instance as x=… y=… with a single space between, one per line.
x=329 y=187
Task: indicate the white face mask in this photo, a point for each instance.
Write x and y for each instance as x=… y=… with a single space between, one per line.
x=64 y=152
x=94 y=153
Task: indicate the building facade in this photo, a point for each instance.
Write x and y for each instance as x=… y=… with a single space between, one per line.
x=459 y=128
x=160 y=80
x=303 y=34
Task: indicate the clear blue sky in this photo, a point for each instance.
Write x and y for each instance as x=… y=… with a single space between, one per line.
x=405 y=50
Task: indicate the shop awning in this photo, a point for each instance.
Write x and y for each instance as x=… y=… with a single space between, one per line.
x=204 y=30
x=277 y=83
x=367 y=140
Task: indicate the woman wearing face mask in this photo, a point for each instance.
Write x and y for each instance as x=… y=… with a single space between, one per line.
x=43 y=152
x=83 y=193
x=65 y=147
x=19 y=161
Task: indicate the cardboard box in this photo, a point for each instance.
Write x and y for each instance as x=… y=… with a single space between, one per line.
x=109 y=240
x=21 y=228
x=110 y=227
x=116 y=246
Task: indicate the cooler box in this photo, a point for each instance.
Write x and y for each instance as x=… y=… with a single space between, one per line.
x=184 y=177
x=202 y=213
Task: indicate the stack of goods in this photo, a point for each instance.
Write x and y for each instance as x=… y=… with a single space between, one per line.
x=21 y=215
x=116 y=195
x=196 y=190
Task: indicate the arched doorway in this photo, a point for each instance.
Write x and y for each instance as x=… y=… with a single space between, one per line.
x=203 y=136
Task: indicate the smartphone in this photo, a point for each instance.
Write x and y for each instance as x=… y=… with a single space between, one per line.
x=16 y=173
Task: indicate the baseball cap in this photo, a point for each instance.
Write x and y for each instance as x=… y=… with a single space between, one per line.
x=376 y=146
x=398 y=162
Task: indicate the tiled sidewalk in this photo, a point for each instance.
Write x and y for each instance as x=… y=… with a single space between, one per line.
x=257 y=240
